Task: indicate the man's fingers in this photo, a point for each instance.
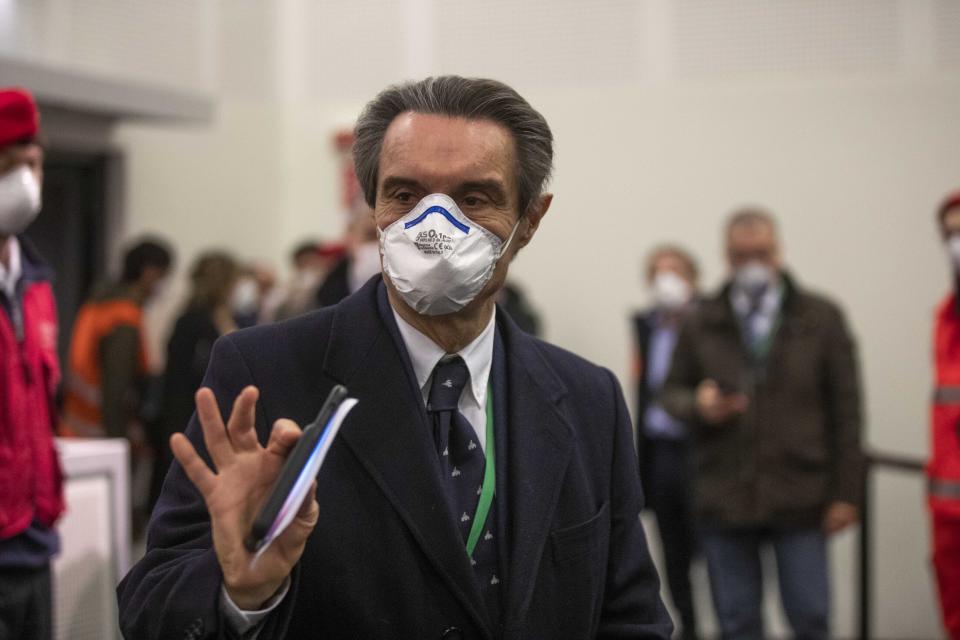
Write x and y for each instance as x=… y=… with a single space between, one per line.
x=242 y=424
x=283 y=437
x=193 y=465
x=307 y=516
x=214 y=432
x=309 y=505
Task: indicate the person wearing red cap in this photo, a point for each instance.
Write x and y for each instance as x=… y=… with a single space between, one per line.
x=943 y=470
x=31 y=493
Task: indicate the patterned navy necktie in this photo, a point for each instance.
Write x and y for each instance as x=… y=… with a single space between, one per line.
x=461 y=457
x=462 y=463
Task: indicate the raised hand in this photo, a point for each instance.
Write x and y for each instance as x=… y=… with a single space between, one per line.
x=235 y=489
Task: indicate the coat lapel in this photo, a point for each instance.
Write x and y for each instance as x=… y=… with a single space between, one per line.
x=540 y=442
x=387 y=432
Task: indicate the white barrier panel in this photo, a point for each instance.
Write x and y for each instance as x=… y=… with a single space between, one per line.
x=94 y=537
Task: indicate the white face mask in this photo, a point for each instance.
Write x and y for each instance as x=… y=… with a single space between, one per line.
x=953 y=247
x=246 y=296
x=670 y=291
x=437 y=258
x=365 y=264
x=161 y=289
x=306 y=279
x=19 y=200
x=754 y=278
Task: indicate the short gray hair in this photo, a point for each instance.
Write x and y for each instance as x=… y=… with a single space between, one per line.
x=471 y=98
x=751 y=216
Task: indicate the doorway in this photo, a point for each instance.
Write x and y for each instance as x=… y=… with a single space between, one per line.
x=71 y=230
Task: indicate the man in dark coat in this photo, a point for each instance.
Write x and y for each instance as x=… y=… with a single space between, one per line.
x=767 y=375
x=424 y=524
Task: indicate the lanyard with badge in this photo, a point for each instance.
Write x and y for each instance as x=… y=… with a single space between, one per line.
x=489 y=481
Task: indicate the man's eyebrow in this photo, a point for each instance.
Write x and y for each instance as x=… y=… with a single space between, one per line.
x=494 y=187
x=392 y=182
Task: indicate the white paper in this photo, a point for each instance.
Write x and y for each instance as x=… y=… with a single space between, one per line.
x=293 y=502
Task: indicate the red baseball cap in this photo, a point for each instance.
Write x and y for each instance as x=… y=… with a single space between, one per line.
x=332 y=250
x=19 y=118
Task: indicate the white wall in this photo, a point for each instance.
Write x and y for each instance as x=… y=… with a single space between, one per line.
x=839 y=115
x=854 y=172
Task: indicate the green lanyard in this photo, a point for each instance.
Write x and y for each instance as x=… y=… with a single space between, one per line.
x=489 y=481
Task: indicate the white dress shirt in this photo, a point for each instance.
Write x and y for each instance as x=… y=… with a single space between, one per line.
x=11 y=274
x=764 y=317
x=424 y=356
x=478 y=356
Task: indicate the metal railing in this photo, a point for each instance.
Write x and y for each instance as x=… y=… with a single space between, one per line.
x=874 y=461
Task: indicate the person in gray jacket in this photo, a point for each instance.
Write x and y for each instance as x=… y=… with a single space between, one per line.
x=766 y=374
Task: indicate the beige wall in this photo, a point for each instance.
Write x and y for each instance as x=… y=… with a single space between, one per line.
x=854 y=172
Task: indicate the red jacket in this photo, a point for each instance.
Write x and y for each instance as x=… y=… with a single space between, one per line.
x=944 y=466
x=30 y=476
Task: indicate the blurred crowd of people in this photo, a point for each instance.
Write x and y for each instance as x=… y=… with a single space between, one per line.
x=749 y=421
x=110 y=387
x=748 y=399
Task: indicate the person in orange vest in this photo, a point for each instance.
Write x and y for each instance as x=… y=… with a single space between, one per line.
x=944 y=466
x=108 y=359
x=31 y=482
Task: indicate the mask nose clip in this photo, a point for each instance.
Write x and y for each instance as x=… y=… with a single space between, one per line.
x=442 y=211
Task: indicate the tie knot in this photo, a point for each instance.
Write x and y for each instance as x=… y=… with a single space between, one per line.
x=449 y=378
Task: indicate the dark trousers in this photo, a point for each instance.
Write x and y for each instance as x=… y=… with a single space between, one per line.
x=26 y=604
x=665 y=472
x=736 y=580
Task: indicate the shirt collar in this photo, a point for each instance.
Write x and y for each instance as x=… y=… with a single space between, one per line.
x=425 y=354
x=769 y=303
x=9 y=276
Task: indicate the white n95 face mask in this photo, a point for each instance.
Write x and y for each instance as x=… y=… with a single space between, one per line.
x=670 y=291
x=953 y=247
x=754 y=278
x=364 y=265
x=437 y=258
x=19 y=200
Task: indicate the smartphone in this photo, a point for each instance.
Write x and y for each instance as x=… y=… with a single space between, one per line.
x=291 y=485
x=727 y=388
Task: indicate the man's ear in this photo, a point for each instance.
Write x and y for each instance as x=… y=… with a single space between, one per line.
x=533 y=217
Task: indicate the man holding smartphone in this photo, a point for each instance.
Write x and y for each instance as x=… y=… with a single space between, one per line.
x=462 y=418
x=766 y=373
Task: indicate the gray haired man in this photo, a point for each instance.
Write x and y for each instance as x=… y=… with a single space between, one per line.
x=485 y=486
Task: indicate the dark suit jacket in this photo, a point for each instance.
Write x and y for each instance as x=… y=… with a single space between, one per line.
x=386 y=559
